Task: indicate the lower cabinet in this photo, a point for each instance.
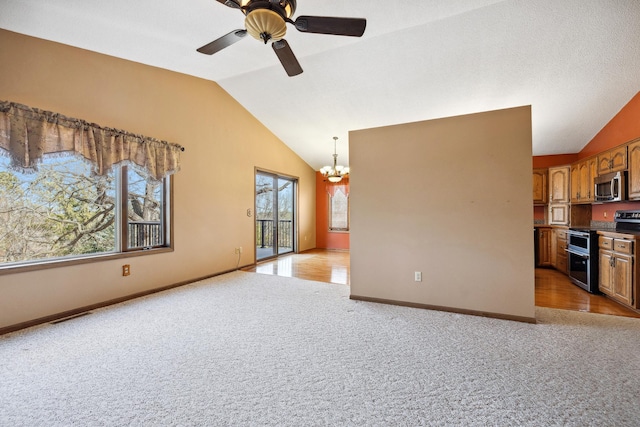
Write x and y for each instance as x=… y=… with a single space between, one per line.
x=544 y=246
x=552 y=242
x=561 y=250
x=616 y=258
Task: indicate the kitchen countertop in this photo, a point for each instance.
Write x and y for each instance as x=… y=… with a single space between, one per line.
x=619 y=233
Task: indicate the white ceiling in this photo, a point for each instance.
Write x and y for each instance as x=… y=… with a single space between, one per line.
x=577 y=62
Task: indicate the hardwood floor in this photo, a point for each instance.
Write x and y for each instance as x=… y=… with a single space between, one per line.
x=322 y=265
x=553 y=289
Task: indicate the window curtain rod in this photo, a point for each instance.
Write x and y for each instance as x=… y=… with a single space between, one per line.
x=28 y=133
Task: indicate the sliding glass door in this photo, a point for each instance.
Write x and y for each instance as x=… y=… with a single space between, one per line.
x=275 y=215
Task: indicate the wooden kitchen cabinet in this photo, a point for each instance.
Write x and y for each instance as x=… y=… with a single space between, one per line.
x=582 y=185
x=612 y=160
x=605 y=268
x=545 y=235
x=559 y=196
x=561 y=263
x=633 y=176
x=616 y=267
x=540 y=186
x=559 y=184
x=551 y=245
x=559 y=214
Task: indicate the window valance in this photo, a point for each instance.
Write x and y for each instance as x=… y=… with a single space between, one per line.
x=29 y=133
x=342 y=186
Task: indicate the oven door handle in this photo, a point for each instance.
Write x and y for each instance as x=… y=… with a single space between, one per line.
x=578 y=233
x=577 y=253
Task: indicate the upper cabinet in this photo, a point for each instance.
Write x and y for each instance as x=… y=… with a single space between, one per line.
x=612 y=160
x=582 y=175
x=540 y=186
x=574 y=184
x=559 y=184
x=633 y=176
x=559 y=208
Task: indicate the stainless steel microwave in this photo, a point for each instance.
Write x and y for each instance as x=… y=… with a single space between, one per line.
x=611 y=187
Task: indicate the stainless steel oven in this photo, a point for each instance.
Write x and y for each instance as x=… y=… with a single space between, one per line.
x=582 y=258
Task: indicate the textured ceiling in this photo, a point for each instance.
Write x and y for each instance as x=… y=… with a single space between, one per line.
x=576 y=62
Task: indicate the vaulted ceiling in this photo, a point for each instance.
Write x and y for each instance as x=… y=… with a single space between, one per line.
x=576 y=62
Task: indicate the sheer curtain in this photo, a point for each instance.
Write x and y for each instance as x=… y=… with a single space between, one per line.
x=342 y=186
x=28 y=133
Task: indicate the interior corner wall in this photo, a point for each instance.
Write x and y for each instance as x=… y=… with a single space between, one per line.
x=324 y=238
x=224 y=144
x=623 y=127
x=456 y=207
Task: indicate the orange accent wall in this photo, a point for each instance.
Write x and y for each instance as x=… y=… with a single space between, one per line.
x=553 y=160
x=622 y=128
x=324 y=238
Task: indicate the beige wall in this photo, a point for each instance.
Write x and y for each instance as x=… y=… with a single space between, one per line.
x=450 y=198
x=224 y=143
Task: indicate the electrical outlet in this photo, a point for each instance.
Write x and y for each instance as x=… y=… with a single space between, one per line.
x=126 y=270
x=239 y=250
x=418 y=276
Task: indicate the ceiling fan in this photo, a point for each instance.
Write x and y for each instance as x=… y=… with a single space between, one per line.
x=266 y=20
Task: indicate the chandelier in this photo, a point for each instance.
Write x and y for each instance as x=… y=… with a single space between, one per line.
x=337 y=172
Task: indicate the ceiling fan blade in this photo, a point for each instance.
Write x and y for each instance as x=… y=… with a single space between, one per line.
x=287 y=58
x=224 y=41
x=330 y=25
x=230 y=3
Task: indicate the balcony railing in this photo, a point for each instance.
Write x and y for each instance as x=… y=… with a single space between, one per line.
x=144 y=234
x=264 y=233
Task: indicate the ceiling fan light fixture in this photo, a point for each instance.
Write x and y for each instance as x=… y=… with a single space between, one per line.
x=265 y=25
x=267 y=20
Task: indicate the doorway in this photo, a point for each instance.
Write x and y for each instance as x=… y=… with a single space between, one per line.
x=275 y=215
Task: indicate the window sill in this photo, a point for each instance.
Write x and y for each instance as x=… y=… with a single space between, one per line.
x=46 y=264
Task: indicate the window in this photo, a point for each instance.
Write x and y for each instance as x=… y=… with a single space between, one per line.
x=145 y=211
x=339 y=209
x=63 y=211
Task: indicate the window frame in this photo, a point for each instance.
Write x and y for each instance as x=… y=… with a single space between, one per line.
x=121 y=249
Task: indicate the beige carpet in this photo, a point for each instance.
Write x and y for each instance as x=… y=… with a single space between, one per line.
x=246 y=349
